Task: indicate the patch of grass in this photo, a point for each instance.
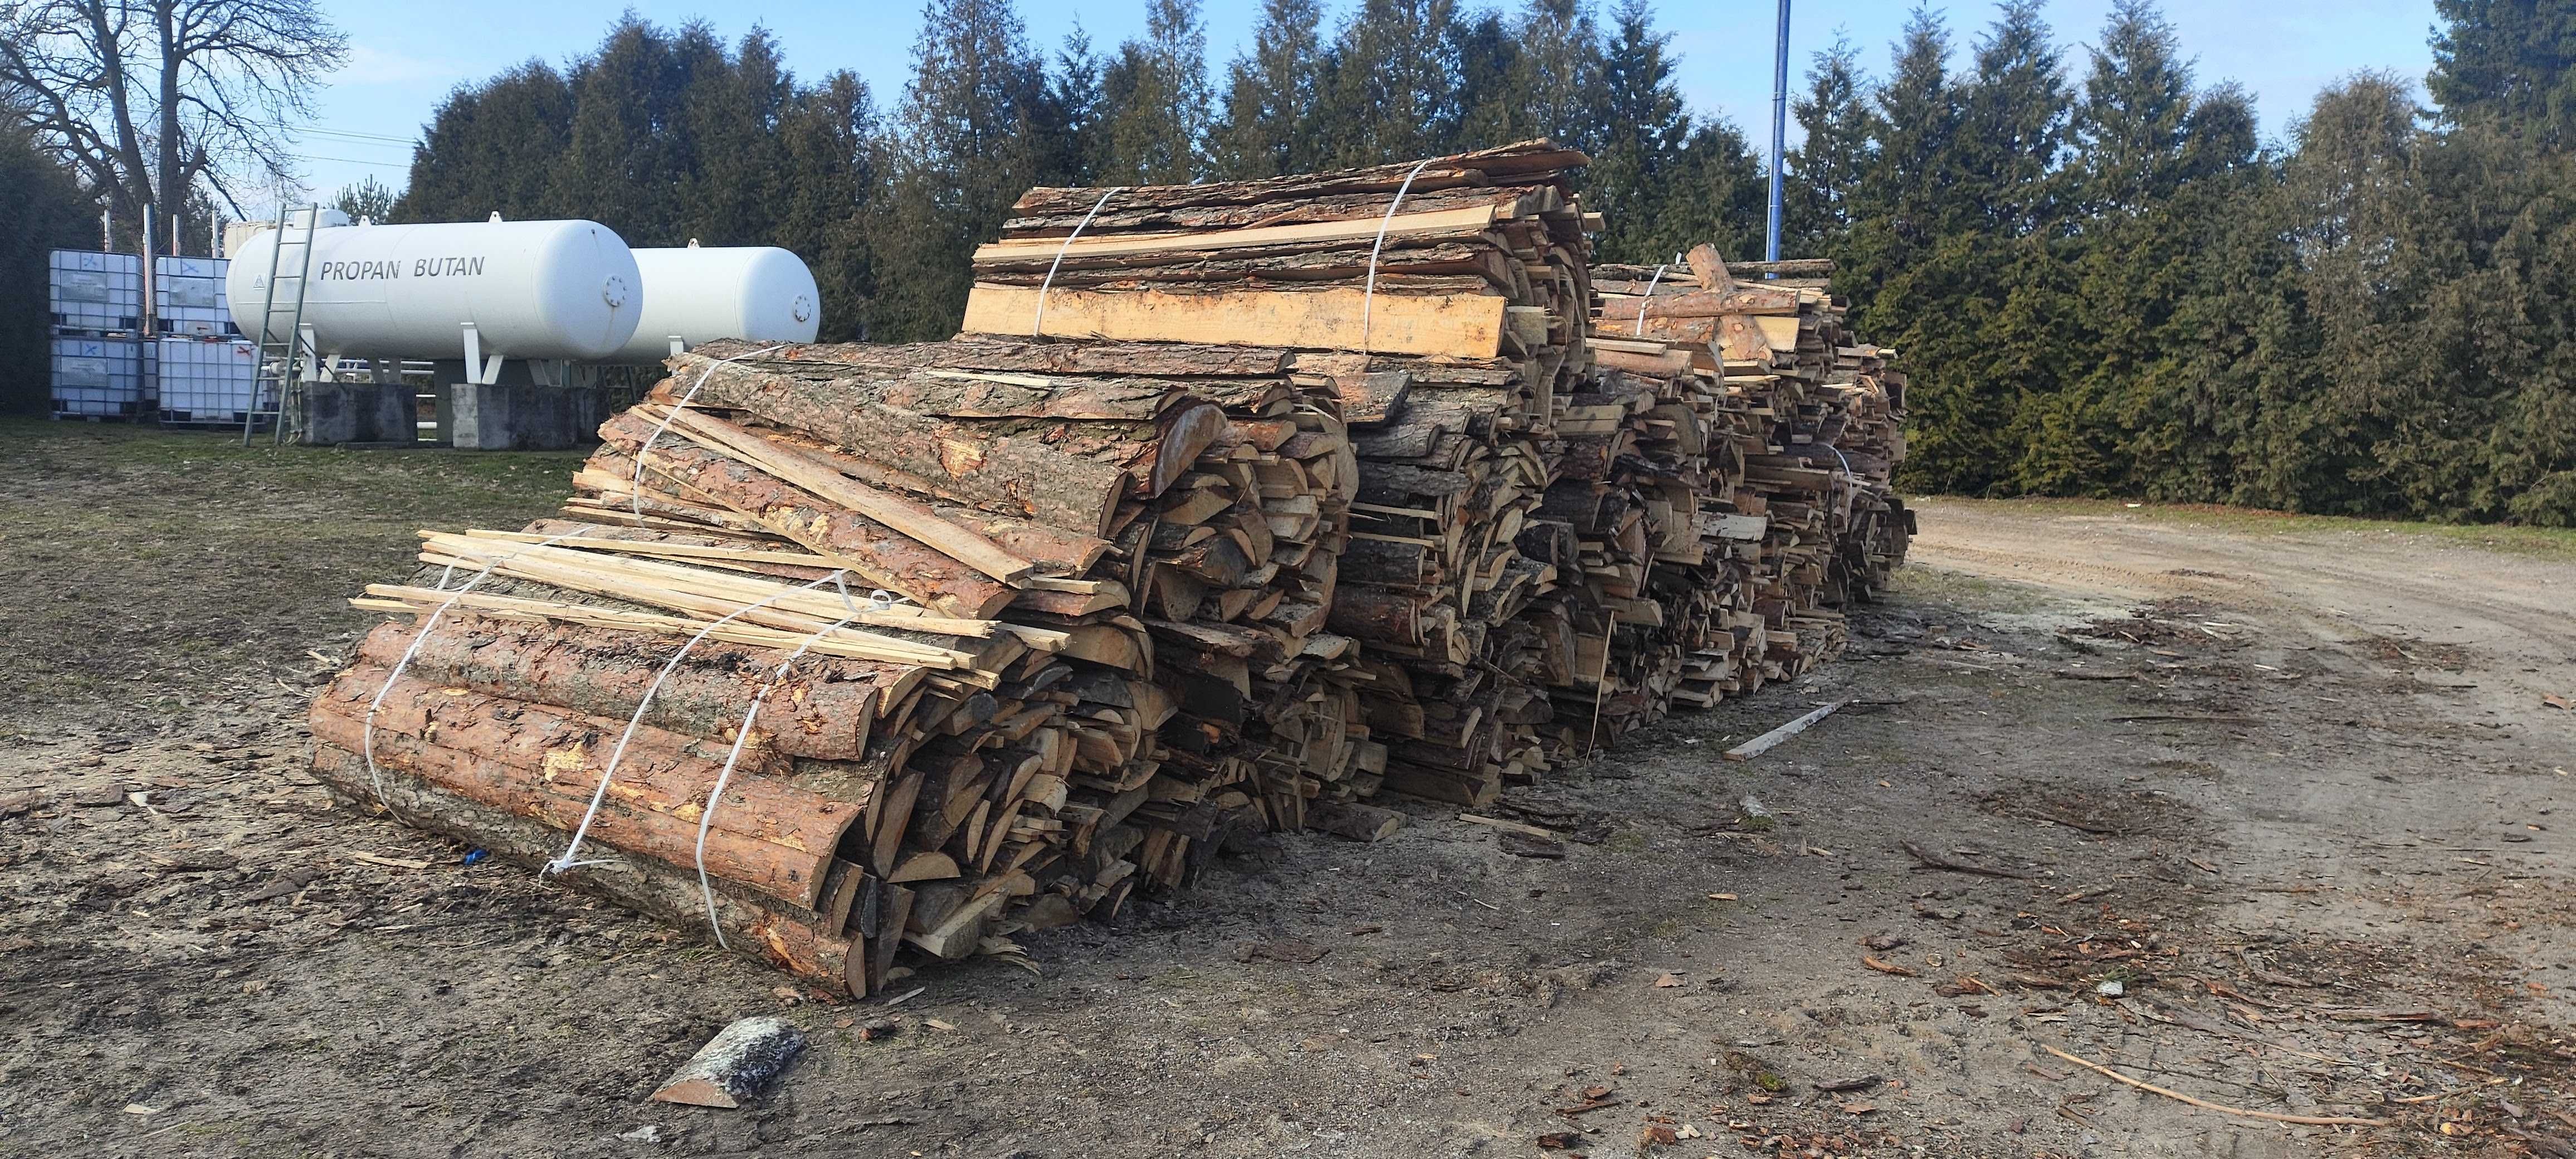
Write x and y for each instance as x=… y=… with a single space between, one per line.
x=2550 y=543
x=136 y=562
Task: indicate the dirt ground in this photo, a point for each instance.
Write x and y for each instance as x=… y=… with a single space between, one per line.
x=2260 y=812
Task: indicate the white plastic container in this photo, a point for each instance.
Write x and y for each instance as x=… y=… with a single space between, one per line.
x=531 y=289
x=201 y=381
x=89 y=290
x=169 y=266
x=98 y=377
x=189 y=297
x=697 y=295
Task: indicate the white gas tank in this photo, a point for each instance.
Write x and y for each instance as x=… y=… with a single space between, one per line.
x=696 y=295
x=531 y=289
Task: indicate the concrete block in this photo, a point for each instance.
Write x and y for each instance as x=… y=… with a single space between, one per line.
x=512 y=417
x=358 y=412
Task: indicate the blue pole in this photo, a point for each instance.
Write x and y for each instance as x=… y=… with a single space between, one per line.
x=1779 y=131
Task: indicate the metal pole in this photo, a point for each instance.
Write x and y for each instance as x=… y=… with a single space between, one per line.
x=149 y=308
x=1779 y=131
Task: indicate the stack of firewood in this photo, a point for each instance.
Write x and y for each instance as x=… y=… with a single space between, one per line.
x=1089 y=586
x=1461 y=286
x=1237 y=505
x=1813 y=416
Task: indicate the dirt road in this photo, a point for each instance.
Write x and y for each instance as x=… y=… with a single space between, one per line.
x=2301 y=811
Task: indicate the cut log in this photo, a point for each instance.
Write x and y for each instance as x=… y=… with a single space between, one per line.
x=734 y=1065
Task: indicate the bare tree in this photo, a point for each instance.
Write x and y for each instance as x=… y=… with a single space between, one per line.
x=146 y=97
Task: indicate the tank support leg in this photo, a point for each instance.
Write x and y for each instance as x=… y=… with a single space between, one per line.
x=476 y=369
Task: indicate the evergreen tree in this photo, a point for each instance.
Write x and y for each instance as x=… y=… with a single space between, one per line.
x=827 y=142
x=1557 y=72
x=1390 y=91
x=1718 y=194
x=1490 y=107
x=2013 y=124
x=1267 y=127
x=2115 y=290
x=43 y=207
x=492 y=149
x=1911 y=195
x=620 y=167
x=1646 y=134
x=2130 y=128
x=2509 y=64
x=1824 y=171
x=968 y=140
x=1925 y=279
x=1071 y=144
x=1154 y=98
x=727 y=126
x=365 y=200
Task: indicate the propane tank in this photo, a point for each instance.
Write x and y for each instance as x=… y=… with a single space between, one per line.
x=514 y=289
x=699 y=294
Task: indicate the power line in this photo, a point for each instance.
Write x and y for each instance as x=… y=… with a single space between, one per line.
x=357 y=138
x=353 y=161
x=352 y=134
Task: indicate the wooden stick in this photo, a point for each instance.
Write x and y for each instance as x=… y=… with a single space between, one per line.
x=1762 y=744
x=858 y=645
x=2204 y=1104
x=1509 y=826
x=1933 y=860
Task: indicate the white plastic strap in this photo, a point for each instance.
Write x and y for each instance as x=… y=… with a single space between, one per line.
x=581 y=832
x=1037 y=324
x=715 y=796
x=637 y=484
x=367 y=728
x=1650 y=294
x=1370 y=294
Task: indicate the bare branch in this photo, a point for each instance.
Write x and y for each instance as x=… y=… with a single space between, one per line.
x=147 y=97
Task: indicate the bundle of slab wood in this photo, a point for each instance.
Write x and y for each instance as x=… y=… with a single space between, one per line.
x=1810 y=420
x=1460 y=286
x=1236 y=505
x=1028 y=626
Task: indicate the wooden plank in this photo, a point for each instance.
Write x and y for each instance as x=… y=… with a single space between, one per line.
x=1763 y=743
x=1468 y=220
x=814 y=472
x=1460 y=325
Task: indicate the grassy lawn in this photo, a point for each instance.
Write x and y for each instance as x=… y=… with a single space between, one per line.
x=2536 y=542
x=144 y=570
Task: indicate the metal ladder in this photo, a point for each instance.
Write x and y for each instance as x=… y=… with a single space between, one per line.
x=279 y=382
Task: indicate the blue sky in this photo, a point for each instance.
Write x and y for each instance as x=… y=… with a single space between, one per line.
x=405 y=57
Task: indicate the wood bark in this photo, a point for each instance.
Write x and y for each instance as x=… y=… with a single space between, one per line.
x=785 y=936
x=544 y=763
x=732 y=1067
x=823 y=709
x=884 y=556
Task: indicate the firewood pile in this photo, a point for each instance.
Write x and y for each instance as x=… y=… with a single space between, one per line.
x=1236 y=506
x=1459 y=290
x=1813 y=417
x=1062 y=615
